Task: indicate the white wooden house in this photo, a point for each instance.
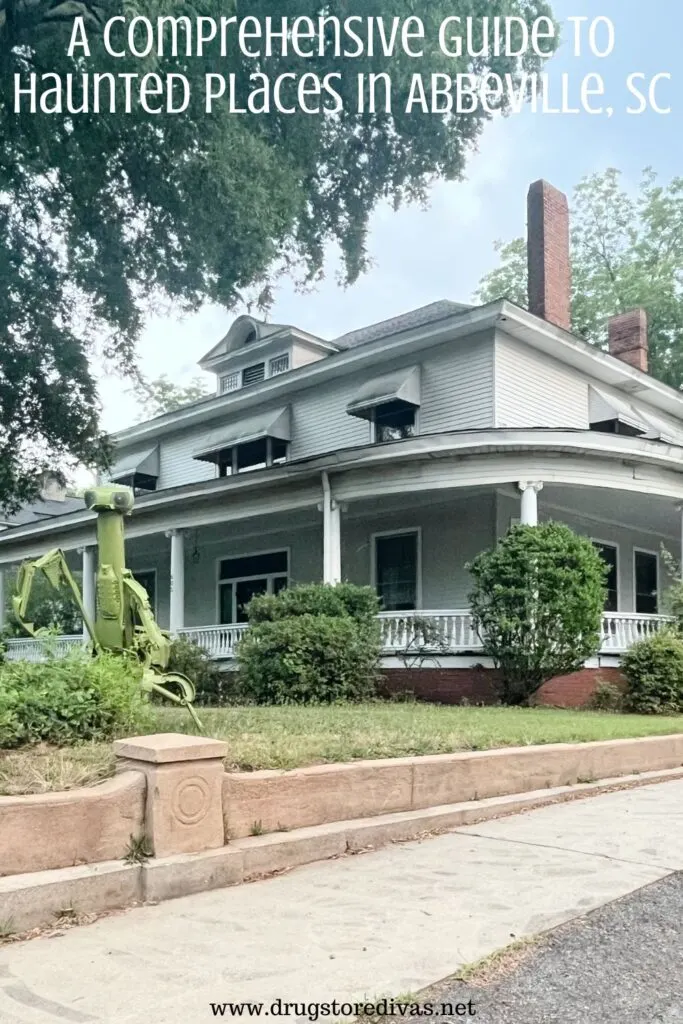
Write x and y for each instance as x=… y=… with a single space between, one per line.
x=391 y=456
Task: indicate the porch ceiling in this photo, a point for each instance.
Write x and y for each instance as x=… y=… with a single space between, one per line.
x=646 y=512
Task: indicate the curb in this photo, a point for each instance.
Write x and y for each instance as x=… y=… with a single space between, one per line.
x=38 y=899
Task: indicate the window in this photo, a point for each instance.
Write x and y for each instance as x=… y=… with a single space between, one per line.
x=265 y=451
x=242 y=578
x=396 y=571
x=253 y=374
x=148 y=579
x=230 y=382
x=609 y=555
x=280 y=364
x=394 y=421
x=139 y=482
x=646 y=572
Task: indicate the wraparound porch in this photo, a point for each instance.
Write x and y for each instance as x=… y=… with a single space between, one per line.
x=407 y=526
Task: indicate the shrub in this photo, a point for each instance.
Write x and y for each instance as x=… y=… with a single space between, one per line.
x=537 y=605
x=311 y=644
x=606 y=697
x=69 y=699
x=654 y=673
x=212 y=686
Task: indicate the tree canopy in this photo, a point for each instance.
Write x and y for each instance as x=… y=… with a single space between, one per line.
x=626 y=252
x=103 y=214
x=162 y=395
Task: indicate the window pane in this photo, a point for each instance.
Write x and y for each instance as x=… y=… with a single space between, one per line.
x=230 y=382
x=225 y=594
x=268 y=564
x=148 y=580
x=394 y=421
x=609 y=556
x=396 y=571
x=279 y=583
x=279 y=365
x=646 y=583
x=253 y=374
x=244 y=591
x=279 y=451
x=251 y=455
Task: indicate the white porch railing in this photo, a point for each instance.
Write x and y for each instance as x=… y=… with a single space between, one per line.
x=38 y=650
x=218 y=641
x=445 y=633
x=620 y=630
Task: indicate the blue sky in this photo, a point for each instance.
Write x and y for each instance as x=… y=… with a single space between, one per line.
x=442 y=252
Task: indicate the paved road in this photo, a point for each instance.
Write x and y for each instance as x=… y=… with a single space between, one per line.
x=375 y=925
x=622 y=964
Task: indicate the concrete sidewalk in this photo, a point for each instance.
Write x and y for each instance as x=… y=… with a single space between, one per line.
x=384 y=923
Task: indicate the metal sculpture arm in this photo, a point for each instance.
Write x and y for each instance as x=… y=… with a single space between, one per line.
x=153 y=647
x=54 y=567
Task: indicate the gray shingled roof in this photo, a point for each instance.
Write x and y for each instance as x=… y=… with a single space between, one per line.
x=439 y=310
x=41 y=510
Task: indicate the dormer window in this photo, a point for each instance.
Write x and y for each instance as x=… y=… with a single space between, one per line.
x=251 y=336
x=230 y=382
x=280 y=364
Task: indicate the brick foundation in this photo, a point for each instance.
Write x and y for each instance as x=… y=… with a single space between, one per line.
x=478 y=685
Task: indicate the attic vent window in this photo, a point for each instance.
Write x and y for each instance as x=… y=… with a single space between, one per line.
x=251 y=337
x=253 y=374
x=230 y=382
x=280 y=364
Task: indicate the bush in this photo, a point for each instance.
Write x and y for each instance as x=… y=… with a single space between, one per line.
x=606 y=697
x=654 y=673
x=69 y=699
x=312 y=644
x=212 y=686
x=537 y=605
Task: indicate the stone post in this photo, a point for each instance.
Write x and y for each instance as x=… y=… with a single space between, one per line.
x=184 y=804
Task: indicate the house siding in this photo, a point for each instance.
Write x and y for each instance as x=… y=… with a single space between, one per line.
x=534 y=390
x=457 y=386
x=176 y=465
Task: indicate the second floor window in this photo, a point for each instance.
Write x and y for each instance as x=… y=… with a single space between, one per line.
x=394 y=421
x=258 y=454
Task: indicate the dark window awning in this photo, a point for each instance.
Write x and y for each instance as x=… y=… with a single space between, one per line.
x=401 y=386
x=603 y=407
x=145 y=463
x=275 y=424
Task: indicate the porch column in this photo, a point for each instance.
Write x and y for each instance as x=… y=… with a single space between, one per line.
x=529 y=510
x=89 y=600
x=177 y=605
x=331 y=535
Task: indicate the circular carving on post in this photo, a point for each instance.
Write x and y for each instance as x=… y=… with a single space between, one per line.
x=191 y=800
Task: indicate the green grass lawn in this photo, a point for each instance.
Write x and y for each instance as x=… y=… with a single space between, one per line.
x=289 y=737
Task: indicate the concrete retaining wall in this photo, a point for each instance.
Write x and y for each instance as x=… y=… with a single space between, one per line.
x=173 y=790
x=272 y=801
x=83 y=826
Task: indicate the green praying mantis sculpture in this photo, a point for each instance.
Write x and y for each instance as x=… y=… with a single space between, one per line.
x=124 y=622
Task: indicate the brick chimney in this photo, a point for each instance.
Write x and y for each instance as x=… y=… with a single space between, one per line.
x=550 y=277
x=627 y=335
